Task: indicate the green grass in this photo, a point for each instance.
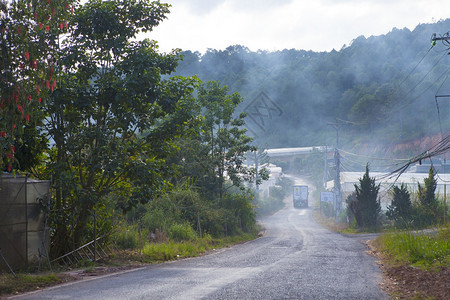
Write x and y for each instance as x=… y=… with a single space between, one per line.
x=427 y=250
x=159 y=252
x=25 y=282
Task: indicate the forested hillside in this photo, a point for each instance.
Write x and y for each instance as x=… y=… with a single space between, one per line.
x=383 y=87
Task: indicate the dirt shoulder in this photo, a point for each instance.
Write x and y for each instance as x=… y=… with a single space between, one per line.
x=407 y=282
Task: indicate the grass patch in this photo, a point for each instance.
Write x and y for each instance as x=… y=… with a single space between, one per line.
x=425 y=250
x=26 y=282
x=160 y=252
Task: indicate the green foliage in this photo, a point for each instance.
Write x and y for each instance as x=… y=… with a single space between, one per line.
x=182 y=205
x=29 y=34
x=183 y=214
x=427 y=206
x=157 y=252
x=237 y=212
x=25 y=282
x=223 y=140
x=113 y=118
x=181 y=232
x=365 y=206
x=420 y=249
x=401 y=209
x=127 y=238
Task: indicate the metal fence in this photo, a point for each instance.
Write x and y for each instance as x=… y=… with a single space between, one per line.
x=23 y=236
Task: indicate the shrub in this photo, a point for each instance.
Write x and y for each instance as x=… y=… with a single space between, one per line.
x=181 y=232
x=400 y=210
x=127 y=238
x=366 y=206
x=427 y=209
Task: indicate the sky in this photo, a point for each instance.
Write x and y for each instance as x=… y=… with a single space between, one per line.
x=271 y=25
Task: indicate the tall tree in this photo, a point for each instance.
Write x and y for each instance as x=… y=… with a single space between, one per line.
x=366 y=205
x=224 y=138
x=400 y=210
x=30 y=32
x=113 y=117
x=428 y=203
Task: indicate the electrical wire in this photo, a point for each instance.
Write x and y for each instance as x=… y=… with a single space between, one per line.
x=415 y=67
x=426 y=75
x=417 y=84
x=411 y=101
x=440 y=148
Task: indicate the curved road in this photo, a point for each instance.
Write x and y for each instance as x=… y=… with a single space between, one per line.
x=295 y=259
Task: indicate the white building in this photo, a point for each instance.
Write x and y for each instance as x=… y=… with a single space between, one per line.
x=349 y=179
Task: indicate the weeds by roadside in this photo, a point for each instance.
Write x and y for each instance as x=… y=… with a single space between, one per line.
x=416 y=265
x=26 y=282
x=427 y=250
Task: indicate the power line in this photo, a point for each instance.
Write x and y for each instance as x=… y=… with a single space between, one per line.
x=440 y=148
x=425 y=76
x=409 y=74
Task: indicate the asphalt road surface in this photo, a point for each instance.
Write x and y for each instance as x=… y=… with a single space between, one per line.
x=295 y=259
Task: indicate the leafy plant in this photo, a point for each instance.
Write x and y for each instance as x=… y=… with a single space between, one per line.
x=127 y=238
x=428 y=206
x=400 y=210
x=181 y=232
x=366 y=205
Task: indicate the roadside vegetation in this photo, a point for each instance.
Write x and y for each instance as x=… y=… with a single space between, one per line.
x=413 y=246
x=151 y=162
x=428 y=250
x=131 y=252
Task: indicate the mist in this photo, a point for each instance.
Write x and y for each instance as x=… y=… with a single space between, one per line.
x=383 y=87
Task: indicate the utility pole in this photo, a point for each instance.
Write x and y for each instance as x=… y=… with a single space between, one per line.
x=446 y=41
x=337 y=179
x=325 y=172
x=256 y=175
x=445 y=38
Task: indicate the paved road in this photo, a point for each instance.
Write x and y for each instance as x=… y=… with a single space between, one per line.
x=295 y=259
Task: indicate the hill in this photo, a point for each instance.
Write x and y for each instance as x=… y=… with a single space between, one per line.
x=382 y=87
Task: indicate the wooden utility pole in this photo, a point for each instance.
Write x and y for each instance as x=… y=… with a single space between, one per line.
x=446 y=41
x=337 y=179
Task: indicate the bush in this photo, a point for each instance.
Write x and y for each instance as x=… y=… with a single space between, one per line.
x=181 y=232
x=127 y=238
x=238 y=213
x=428 y=207
x=400 y=210
x=366 y=205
